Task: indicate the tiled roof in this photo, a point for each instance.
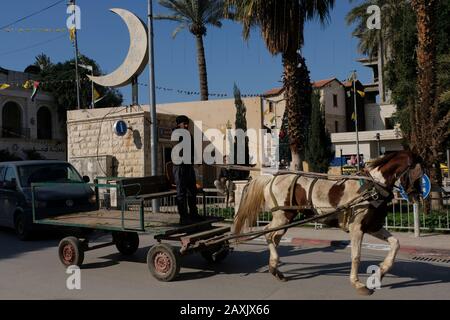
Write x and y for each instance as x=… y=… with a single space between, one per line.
x=316 y=84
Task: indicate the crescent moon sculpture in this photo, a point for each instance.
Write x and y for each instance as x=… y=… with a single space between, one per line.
x=137 y=57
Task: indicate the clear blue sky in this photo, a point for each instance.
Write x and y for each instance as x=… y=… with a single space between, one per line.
x=330 y=51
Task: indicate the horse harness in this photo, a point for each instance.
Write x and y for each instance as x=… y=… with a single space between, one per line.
x=371 y=190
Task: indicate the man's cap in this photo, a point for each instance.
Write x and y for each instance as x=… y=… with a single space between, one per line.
x=182 y=119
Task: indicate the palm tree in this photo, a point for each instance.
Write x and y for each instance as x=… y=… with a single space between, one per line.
x=282 y=25
x=429 y=125
x=195 y=15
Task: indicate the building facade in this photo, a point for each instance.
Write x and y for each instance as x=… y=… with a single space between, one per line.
x=28 y=125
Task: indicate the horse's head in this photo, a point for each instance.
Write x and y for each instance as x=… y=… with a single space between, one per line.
x=402 y=167
x=411 y=179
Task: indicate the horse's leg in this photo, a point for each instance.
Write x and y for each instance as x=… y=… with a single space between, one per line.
x=388 y=262
x=356 y=241
x=273 y=240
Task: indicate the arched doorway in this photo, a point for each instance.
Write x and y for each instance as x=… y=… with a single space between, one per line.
x=44 y=124
x=11 y=121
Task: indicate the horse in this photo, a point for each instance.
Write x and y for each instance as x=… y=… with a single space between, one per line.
x=319 y=196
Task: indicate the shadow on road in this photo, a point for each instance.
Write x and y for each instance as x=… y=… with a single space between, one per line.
x=256 y=261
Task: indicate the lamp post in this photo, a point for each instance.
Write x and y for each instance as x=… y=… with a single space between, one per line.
x=356 y=119
x=77 y=77
x=153 y=116
x=378 y=144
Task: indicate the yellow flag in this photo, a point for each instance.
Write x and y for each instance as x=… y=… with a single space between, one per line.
x=4 y=86
x=28 y=84
x=96 y=94
x=361 y=93
x=72 y=32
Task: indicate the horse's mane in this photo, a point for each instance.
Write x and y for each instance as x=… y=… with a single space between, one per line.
x=382 y=161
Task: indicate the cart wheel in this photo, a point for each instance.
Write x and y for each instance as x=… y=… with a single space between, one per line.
x=163 y=260
x=71 y=252
x=126 y=242
x=216 y=254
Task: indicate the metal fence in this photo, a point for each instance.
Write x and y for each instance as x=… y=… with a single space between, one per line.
x=400 y=216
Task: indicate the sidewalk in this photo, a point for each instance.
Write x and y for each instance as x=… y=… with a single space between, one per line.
x=425 y=244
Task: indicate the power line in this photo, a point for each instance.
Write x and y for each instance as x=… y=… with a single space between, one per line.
x=32 y=14
x=31 y=46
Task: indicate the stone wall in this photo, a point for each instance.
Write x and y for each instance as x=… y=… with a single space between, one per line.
x=91 y=135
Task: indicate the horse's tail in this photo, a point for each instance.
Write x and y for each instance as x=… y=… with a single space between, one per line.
x=251 y=203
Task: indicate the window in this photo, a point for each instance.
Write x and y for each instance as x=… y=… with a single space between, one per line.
x=2 y=174
x=10 y=175
x=63 y=173
x=44 y=124
x=271 y=106
x=390 y=124
x=12 y=121
x=335 y=100
x=336 y=126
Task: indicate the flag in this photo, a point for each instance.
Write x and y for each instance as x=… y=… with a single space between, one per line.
x=4 y=86
x=97 y=96
x=72 y=32
x=28 y=84
x=361 y=93
x=35 y=90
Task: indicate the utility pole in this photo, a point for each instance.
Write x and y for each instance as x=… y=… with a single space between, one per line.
x=77 y=77
x=356 y=120
x=153 y=116
x=91 y=69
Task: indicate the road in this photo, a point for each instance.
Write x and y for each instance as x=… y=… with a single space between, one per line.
x=31 y=270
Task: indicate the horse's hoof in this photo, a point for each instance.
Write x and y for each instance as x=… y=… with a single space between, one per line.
x=280 y=277
x=364 y=291
x=277 y=274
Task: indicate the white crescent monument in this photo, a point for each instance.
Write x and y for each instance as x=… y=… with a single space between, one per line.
x=137 y=57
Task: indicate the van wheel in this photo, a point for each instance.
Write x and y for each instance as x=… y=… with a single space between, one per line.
x=22 y=226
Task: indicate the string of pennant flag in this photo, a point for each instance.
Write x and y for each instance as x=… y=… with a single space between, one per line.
x=196 y=93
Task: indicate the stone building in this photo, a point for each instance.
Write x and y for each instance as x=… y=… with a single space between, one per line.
x=26 y=124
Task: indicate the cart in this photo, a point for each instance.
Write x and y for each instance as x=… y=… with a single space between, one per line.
x=125 y=217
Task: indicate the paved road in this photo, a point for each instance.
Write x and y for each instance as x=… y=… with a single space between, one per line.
x=30 y=270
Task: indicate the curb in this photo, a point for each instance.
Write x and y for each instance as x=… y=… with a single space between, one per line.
x=344 y=243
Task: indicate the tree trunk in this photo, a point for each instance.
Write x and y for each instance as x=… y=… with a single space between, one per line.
x=201 y=60
x=425 y=111
x=298 y=104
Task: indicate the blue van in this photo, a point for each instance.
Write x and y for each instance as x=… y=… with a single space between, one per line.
x=71 y=195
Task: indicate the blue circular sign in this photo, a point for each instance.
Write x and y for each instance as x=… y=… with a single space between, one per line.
x=120 y=128
x=425 y=185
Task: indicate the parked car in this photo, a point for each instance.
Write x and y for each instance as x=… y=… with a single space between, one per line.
x=72 y=193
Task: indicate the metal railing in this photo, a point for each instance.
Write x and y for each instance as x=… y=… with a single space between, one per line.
x=400 y=216
x=15 y=133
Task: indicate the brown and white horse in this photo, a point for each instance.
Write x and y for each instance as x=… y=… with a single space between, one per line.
x=267 y=192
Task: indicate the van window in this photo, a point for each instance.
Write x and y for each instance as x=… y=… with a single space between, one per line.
x=2 y=174
x=10 y=175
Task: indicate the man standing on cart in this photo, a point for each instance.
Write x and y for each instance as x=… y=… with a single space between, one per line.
x=186 y=182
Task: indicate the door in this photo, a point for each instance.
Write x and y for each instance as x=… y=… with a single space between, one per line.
x=11 y=196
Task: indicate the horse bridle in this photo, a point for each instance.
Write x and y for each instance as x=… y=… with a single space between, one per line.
x=409 y=180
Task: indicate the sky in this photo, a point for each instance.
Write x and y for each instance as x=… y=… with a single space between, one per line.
x=330 y=50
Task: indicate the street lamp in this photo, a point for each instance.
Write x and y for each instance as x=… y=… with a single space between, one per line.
x=378 y=143
x=356 y=119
